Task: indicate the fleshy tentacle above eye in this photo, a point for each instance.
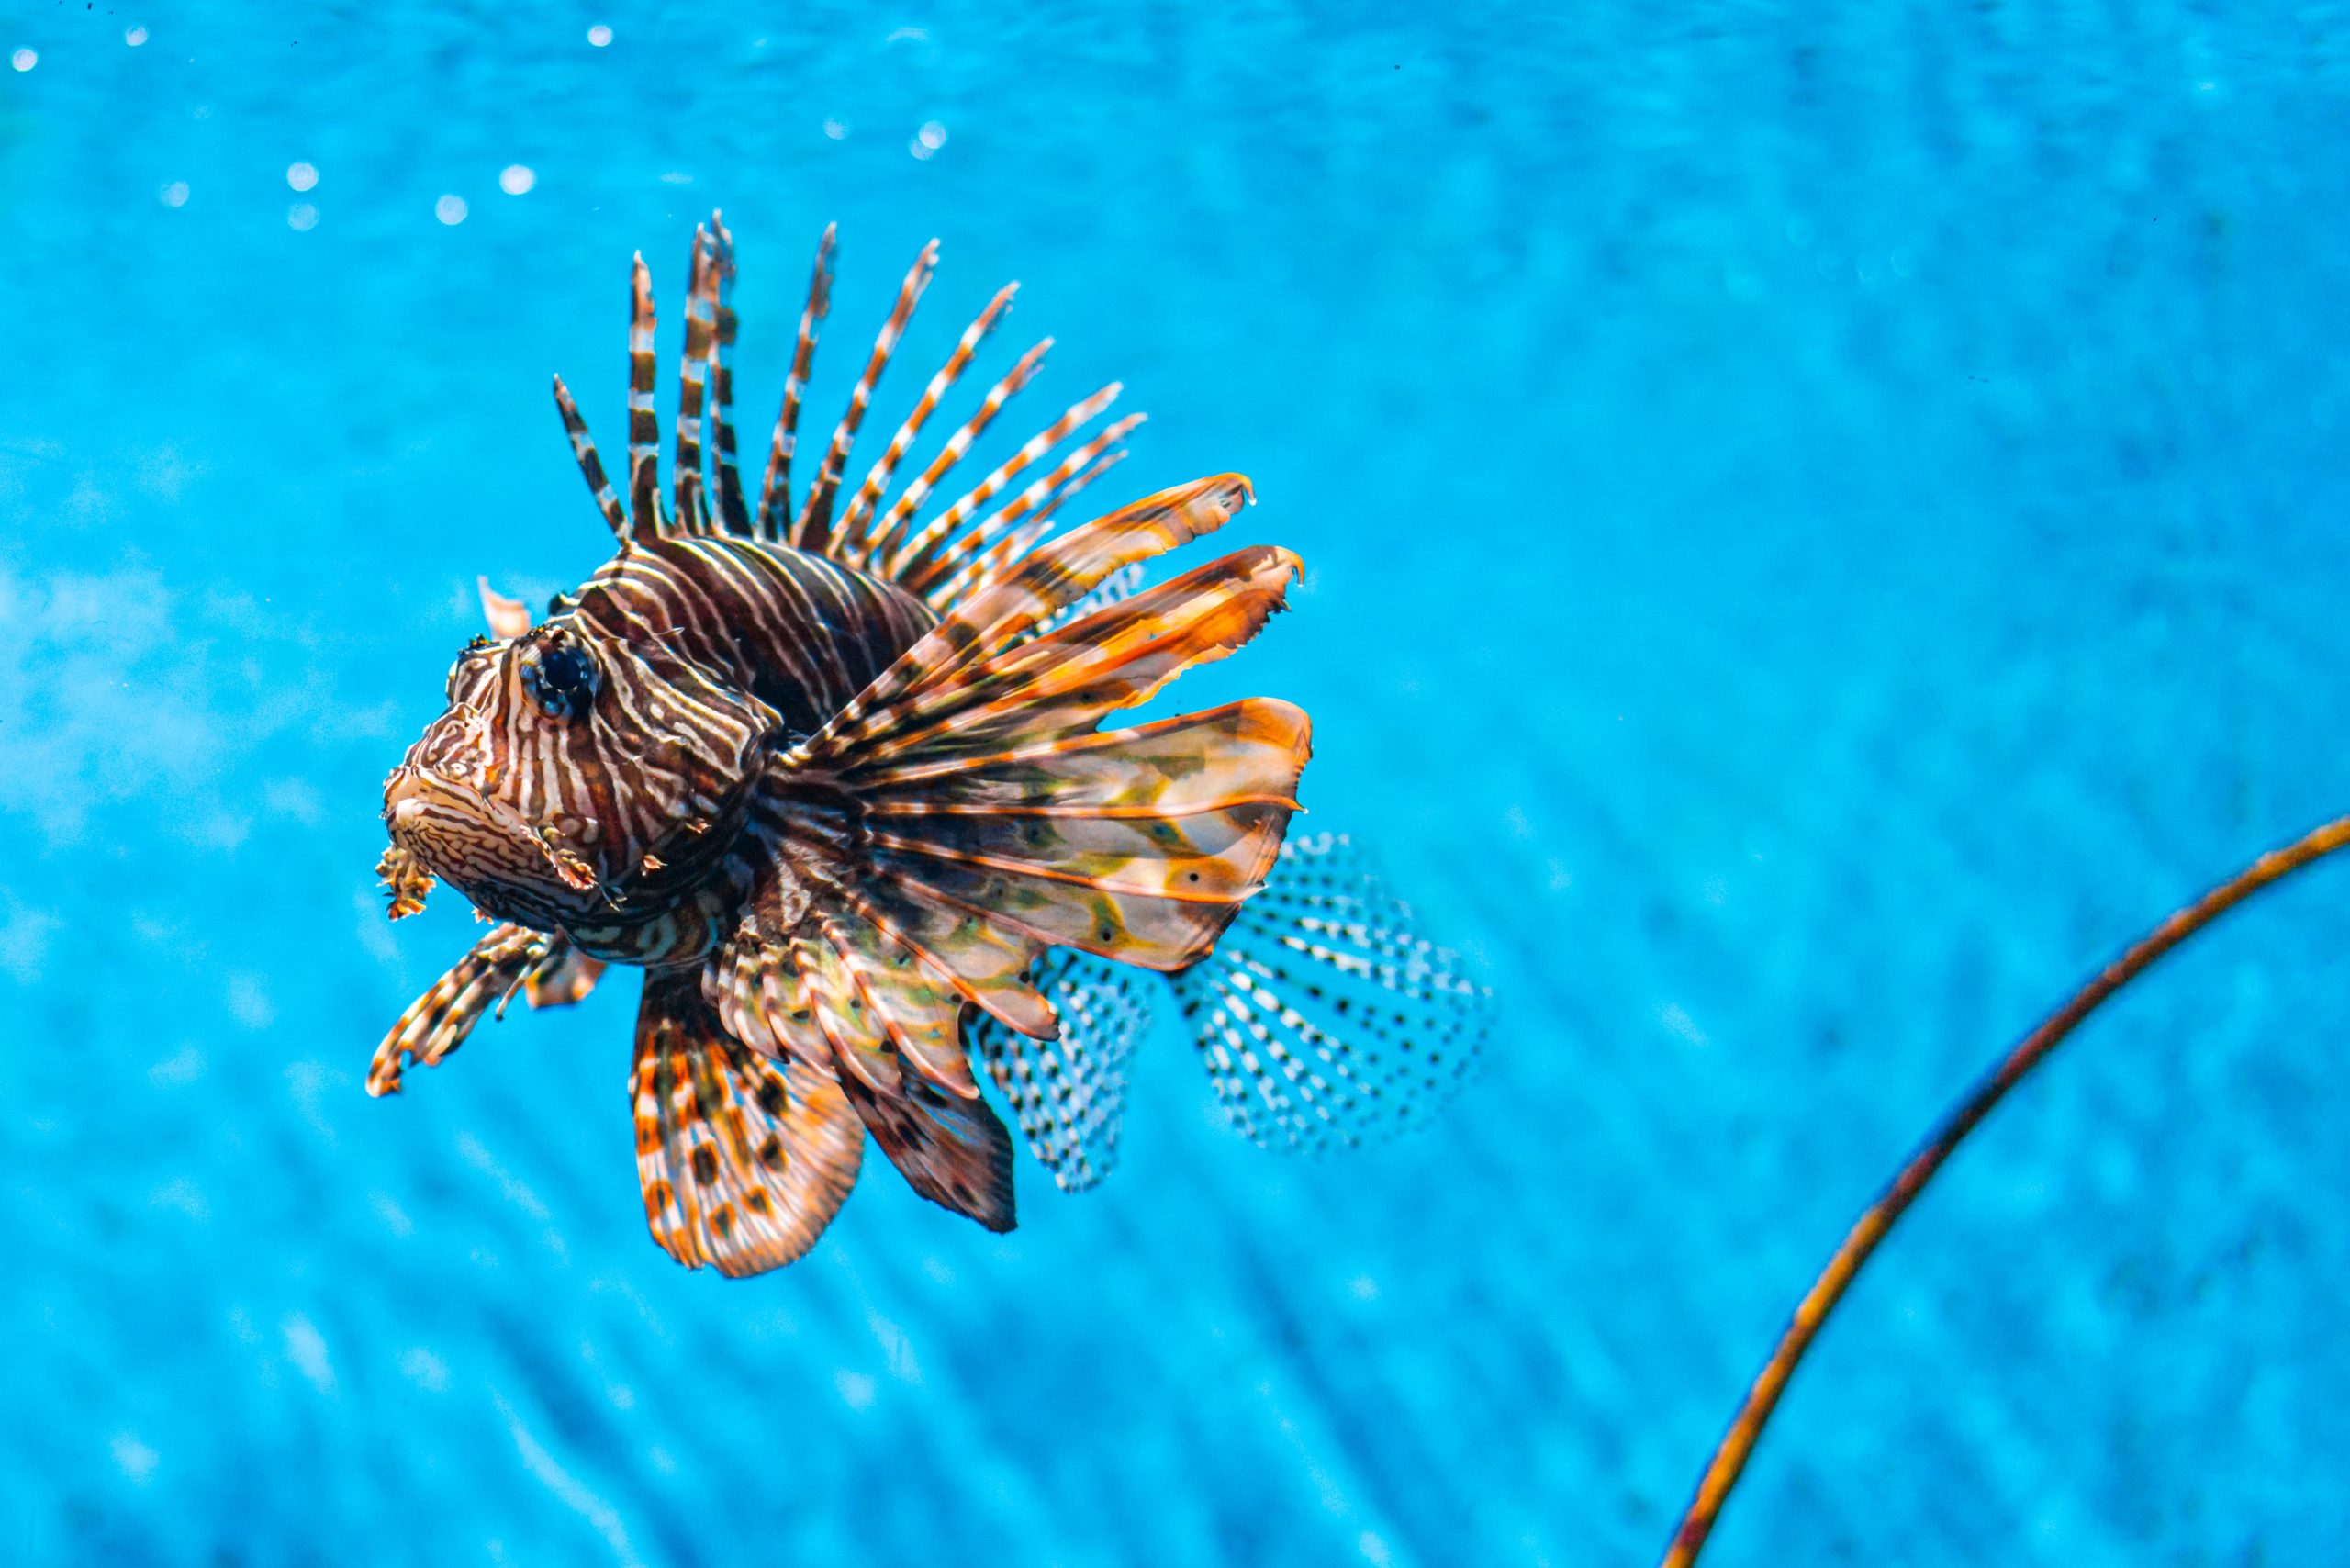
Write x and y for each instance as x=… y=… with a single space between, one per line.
x=507 y=617
x=965 y=814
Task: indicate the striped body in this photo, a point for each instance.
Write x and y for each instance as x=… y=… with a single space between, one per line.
x=638 y=828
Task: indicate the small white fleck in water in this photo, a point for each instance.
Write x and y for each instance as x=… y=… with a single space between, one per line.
x=136 y=1459
x=516 y=179
x=600 y=34
x=1675 y=1018
x=424 y=1369
x=450 y=209
x=301 y=218
x=24 y=59
x=837 y=129
x=134 y=35
x=308 y=1349
x=302 y=177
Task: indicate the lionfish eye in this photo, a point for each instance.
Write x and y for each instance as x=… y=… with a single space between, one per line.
x=560 y=677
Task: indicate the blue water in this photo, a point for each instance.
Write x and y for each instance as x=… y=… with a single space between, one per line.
x=1822 y=522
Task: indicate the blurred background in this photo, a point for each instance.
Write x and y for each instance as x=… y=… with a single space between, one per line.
x=1822 y=522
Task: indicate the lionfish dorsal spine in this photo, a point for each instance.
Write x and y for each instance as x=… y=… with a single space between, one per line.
x=935 y=546
x=693 y=374
x=733 y=513
x=812 y=530
x=775 y=490
x=880 y=543
x=645 y=521
x=583 y=451
x=855 y=544
x=1001 y=539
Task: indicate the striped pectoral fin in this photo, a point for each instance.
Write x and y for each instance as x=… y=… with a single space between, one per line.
x=1149 y=889
x=989 y=792
x=1136 y=844
x=1068 y=1094
x=893 y=1025
x=438 y=1022
x=854 y=999
x=952 y=1150
x=1323 y=1016
x=743 y=1161
x=1066 y=679
x=990 y=799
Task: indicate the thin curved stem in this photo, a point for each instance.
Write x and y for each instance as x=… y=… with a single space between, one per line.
x=1738 y=1443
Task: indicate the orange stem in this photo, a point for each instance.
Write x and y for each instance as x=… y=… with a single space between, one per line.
x=1738 y=1443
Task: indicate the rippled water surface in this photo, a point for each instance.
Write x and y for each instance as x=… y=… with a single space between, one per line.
x=1821 y=522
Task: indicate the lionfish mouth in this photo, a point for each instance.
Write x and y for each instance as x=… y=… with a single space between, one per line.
x=474 y=842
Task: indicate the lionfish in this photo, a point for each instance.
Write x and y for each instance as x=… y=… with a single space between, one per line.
x=833 y=776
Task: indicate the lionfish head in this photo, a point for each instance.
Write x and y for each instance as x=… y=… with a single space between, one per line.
x=575 y=775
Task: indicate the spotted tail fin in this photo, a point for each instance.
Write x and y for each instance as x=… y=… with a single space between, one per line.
x=1323 y=1017
x=744 y=1161
x=965 y=814
x=1069 y=1093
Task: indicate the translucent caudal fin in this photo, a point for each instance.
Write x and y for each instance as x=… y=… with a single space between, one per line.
x=1325 y=1018
x=1069 y=1093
